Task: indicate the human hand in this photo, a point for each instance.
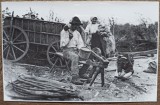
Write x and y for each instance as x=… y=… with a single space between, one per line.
x=66 y=28
x=70 y=36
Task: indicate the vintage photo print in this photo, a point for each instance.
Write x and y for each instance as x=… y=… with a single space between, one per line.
x=80 y=51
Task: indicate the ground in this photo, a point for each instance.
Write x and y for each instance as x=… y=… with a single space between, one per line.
x=140 y=87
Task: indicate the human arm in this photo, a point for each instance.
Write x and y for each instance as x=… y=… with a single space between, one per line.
x=67 y=27
x=87 y=29
x=80 y=43
x=83 y=34
x=89 y=37
x=64 y=38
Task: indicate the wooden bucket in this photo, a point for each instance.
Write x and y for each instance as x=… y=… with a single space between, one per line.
x=84 y=53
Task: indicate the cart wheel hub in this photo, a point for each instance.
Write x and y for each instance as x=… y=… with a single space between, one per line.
x=10 y=42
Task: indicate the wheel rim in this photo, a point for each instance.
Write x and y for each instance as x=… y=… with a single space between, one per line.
x=52 y=57
x=15 y=43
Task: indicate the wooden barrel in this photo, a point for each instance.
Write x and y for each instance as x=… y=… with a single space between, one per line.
x=84 y=53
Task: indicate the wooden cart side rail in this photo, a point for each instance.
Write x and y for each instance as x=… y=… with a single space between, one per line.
x=36 y=20
x=42 y=33
x=44 y=38
x=38 y=32
x=36 y=26
x=43 y=44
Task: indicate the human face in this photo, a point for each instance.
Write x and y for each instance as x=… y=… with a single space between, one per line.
x=74 y=27
x=94 y=20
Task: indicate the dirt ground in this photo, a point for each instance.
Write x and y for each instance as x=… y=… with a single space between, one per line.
x=140 y=87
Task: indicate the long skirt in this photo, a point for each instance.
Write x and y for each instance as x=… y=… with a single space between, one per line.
x=96 y=42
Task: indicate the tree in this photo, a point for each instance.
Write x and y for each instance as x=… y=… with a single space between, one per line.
x=112 y=25
x=6 y=12
x=31 y=14
x=53 y=17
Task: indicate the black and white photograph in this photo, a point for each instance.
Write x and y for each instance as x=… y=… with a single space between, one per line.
x=80 y=51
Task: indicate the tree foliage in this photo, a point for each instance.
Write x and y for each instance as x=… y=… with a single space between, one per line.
x=136 y=35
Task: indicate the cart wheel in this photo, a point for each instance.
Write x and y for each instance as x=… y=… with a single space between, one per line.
x=53 y=58
x=15 y=43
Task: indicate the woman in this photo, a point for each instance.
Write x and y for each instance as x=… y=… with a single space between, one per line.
x=93 y=37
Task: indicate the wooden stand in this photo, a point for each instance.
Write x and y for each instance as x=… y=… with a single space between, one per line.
x=99 y=69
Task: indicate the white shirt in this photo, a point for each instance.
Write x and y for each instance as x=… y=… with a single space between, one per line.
x=76 y=41
x=91 y=28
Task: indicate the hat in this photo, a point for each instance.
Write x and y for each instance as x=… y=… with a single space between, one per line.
x=75 y=20
x=93 y=18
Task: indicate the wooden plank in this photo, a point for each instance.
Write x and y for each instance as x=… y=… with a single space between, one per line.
x=140 y=52
x=134 y=54
x=22 y=24
x=43 y=33
x=34 y=27
x=40 y=39
x=39 y=43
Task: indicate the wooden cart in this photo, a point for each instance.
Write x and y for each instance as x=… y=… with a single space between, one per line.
x=21 y=34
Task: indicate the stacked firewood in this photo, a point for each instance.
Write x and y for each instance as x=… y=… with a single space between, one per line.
x=28 y=87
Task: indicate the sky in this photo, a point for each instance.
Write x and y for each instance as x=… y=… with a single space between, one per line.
x=122 y=12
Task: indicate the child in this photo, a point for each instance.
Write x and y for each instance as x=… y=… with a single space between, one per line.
x=124 y=66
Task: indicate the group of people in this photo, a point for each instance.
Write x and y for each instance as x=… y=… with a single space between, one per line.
x=73 y=37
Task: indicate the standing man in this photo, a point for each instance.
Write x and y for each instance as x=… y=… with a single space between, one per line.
x=71 y=41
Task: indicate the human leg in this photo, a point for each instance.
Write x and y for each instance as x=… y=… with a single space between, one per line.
x=82 y=71
x=71 y=55
x=127 y=75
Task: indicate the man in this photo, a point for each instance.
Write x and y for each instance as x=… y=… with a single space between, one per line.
x=80 y=29
x=71 y=41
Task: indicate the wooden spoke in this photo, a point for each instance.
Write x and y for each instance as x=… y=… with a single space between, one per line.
x=8 y=53
x=60 y=60
x=54 y=49
x=13 y=53
x=17 y=36
x=54 y=45
x=18 y=48
x=5 y=48
x=52 y=53
x=12 y=34
x=5 y=44
x=5 y=40
x=52 y=57
x=20 y=42
x=58 y=46
x=5 y=34
x=55 y=62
